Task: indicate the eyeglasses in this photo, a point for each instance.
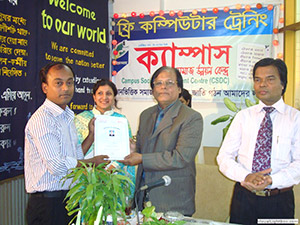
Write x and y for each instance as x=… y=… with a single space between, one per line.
x=168 y=83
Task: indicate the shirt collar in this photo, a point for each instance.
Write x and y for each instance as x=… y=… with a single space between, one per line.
x=58 y=111
x=279 y=106
x=97 y=112
x=165 y=109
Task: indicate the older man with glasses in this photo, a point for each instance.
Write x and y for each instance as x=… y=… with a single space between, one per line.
x=167 y=142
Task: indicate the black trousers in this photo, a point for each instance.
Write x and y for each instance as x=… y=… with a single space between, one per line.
x=43 y=209
x=246 y=207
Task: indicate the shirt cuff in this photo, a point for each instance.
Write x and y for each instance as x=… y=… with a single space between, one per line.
x=71 y=162
x=242 y=176
x=275 y=181
x=147 y=160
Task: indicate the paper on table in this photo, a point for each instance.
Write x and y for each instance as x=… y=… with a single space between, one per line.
x=111 y=137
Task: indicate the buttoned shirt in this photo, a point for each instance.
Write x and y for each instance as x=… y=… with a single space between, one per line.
x=51 y=148
x=236 y=154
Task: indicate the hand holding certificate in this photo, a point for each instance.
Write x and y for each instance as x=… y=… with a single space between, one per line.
x=111 y=137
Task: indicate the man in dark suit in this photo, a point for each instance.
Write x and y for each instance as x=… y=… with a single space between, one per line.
x=168 y=140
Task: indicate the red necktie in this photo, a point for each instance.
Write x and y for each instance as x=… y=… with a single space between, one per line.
x=263 y=147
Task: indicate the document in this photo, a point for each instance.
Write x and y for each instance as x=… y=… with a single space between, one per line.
x=111 y=137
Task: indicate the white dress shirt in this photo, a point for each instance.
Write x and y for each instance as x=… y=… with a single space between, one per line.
x=236 y=154
x=51 y=148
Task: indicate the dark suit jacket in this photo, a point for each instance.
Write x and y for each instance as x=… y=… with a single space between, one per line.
x=171 y=151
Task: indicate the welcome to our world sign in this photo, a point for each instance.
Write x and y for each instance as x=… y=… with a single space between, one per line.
x=32 y=34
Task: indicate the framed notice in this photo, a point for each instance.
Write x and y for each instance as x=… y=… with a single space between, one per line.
x=111 y=137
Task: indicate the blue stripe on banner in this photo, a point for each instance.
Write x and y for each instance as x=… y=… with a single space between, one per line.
x=232 y=23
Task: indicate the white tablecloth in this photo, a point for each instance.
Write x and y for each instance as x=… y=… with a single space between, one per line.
x=189 y=221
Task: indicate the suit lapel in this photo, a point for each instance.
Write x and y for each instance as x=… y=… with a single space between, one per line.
x=152 y=121
x=147 y=145
x=167 y=120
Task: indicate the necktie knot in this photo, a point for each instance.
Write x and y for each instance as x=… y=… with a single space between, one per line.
x=160 y=115
x=269 y=110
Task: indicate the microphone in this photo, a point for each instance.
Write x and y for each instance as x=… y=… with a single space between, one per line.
x=165 y=180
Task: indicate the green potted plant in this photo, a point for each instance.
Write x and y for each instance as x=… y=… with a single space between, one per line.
x=232 y=107
x=97 y=191
x=150 y=217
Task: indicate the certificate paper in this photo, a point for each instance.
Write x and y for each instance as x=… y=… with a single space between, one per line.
x=111 y=137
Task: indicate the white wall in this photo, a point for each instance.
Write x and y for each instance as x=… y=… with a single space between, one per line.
x=212 y=135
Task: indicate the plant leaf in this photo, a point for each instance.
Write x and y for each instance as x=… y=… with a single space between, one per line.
x=73 y=211
x=248 y=103
x=220 y=119
x=225 y=129
x=89 y=192
x=94 y=186
x=75 y=189
x=230 y=105
x=148 y=211
x=179 y=222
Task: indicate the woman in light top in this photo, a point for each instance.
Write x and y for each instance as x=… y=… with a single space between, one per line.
x=104 y=95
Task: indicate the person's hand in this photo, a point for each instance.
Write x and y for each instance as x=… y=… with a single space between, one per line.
x=95 y=160
x=257 y=181
x=251 y=187
x=132 y=159
x=89 y=140
x=132 y=145
x=258 y=178
x=92 y=126
x=100 y=159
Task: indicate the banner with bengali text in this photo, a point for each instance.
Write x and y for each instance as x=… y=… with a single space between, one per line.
x=32 y=34
x=215 y=53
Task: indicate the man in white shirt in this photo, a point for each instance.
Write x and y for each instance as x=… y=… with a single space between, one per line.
x=266 y=193
x=51 y=148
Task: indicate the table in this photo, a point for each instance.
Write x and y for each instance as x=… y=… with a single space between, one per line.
x=189 y=221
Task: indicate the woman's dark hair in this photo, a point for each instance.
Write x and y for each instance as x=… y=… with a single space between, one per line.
x=279 y=64
x=103 y=82
x=187 y=96
x=169 y=69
